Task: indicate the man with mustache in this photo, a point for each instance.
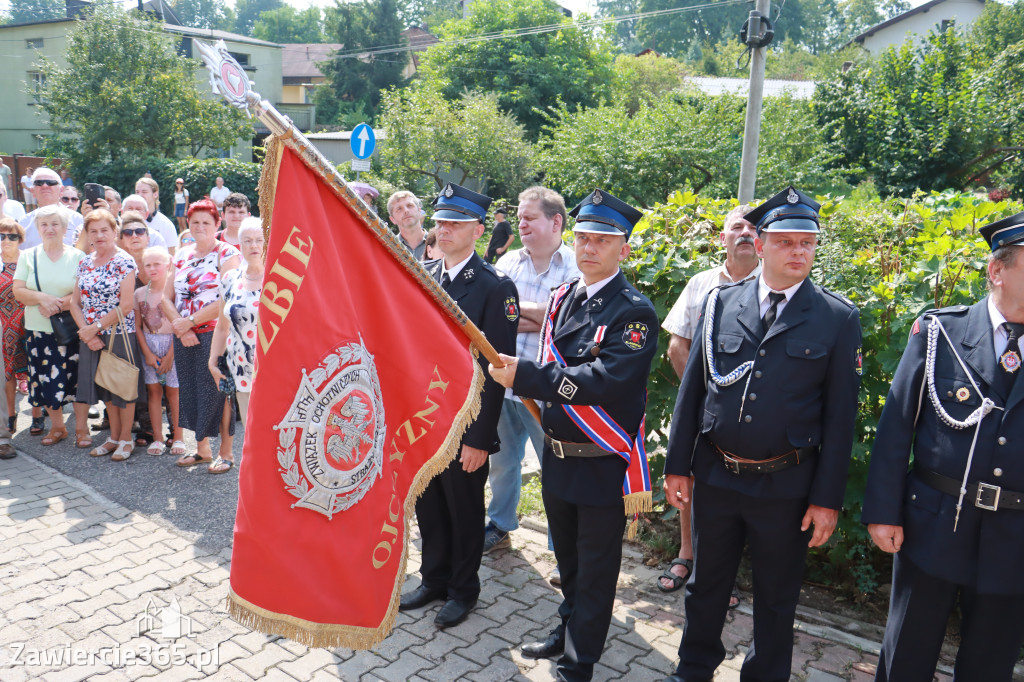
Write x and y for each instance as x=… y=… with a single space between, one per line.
x=741 y=264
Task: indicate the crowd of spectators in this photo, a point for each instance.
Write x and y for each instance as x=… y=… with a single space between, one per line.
x=84 y=281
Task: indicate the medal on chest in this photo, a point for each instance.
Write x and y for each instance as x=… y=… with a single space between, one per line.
x=1010 y=361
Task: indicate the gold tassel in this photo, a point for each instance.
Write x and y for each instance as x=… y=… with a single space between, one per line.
x=636 y=504
x=267 y=186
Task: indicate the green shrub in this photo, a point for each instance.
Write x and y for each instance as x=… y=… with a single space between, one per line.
x=894 y=259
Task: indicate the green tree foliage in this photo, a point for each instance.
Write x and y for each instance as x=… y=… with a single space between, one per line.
x=289 y=25
x=570 y=65
x=247 y=12
x=644 y=80
x=213 y=14
x=910 y=119
x=26 y=11
x=429 y=13
x=356 y=83
x=893 y=259
x=431 y=139
x=691 y=141
x=126 y=94
x=622 y=33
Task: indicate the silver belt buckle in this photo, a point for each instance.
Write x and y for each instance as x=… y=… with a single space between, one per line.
x=732 y=465
x=556 y=447
x=985 y=487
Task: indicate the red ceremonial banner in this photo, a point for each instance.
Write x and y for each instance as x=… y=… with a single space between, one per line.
x=363 y=389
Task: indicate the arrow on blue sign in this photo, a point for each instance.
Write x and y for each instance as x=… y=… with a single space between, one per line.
x=363 y=141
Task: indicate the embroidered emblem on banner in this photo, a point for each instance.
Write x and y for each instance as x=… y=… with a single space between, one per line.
x=331 y=440
x=511 y=309
x=860 y=362
x=1010 y=361
x=567 y=389
x=963 y=393
x=635 y=335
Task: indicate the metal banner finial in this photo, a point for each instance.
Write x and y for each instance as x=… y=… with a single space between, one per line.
x=227 y=78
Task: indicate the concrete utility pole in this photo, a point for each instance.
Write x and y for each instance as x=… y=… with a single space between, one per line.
x=752 y=128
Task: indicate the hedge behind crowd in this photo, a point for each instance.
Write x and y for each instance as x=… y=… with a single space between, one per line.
x=199 y=176
x=894 y=259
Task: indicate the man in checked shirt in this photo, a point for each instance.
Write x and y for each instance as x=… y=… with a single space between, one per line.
x=540 y=266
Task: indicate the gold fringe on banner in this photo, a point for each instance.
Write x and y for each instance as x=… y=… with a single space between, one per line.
x=330 y=635
x=267 y=186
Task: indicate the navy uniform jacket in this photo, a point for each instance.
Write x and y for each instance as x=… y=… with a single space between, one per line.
x=615 y=379
x=803 y=392
x=483 y=294
x=987 y=550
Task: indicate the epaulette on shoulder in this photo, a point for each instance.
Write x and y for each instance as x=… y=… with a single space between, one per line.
x=635 y=297
x=428 y=264
x=490 y=268
x=949 y=310
x=839 y=297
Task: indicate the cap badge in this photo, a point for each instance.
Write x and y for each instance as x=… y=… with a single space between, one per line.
x=597 y=197
x=792 y=197
x=448 y=191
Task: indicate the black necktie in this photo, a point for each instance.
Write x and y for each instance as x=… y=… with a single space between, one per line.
x=578 y=300
x=773 y=310
x=445 y=281
x=1010 y=359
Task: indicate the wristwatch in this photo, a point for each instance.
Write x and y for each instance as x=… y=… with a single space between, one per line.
x=99 y=327
x=192 y=320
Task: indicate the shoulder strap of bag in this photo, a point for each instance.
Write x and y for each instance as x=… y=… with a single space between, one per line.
x=122 y=328
x=35 y=267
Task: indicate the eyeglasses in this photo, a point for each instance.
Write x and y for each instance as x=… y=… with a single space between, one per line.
x=69 y=200
x=48 y=183
x=8 y=235
x=134 y=231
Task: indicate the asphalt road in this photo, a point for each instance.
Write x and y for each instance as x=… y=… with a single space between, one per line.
x=198 y=504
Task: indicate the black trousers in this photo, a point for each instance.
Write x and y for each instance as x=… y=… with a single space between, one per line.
x=991 y=629
x=588 y=548
x=450 y=513
x=723 y=520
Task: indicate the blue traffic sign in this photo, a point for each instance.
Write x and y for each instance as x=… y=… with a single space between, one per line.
x=363 y=141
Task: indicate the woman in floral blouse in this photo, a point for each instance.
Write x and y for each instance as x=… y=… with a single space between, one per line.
x=239 y=304
x=195 y=292
x=106 y=281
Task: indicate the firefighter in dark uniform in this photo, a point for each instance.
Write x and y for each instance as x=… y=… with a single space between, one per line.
x=597 y=343
x=451 y=511
x=956 y=520
x=764 y=423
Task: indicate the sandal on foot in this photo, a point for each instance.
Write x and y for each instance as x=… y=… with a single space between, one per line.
x=221 y=466
x=83 y=440
x=38 y=426
x=735 y=595
x=108 y=447
x=677 y=580
x=190 y=460
x=54 y=437
x=178 y=448
x=155 y=448
x=123 y=452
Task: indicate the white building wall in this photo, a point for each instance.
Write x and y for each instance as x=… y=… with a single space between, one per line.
x=962 y=12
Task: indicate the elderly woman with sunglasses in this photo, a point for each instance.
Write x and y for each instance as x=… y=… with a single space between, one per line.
x=194 y=289
x=44 y=282
x=106 y=285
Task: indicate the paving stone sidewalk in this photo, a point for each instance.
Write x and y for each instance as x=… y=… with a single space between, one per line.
x=81 y=577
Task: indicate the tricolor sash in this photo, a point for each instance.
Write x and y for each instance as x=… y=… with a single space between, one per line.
x=599 y=426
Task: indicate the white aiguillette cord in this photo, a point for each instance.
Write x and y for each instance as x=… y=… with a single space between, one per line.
x=974 y=419
x=709 y=353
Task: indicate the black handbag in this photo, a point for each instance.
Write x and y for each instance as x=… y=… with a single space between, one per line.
x=65 y=329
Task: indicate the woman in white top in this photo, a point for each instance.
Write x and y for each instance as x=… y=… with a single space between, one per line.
x=180 y=203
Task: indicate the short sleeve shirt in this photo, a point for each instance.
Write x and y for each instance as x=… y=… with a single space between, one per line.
x=682 y=319
x=56 y=278
x=219 y=194
x=197 y=279
x=240 y=307
x=99 y=286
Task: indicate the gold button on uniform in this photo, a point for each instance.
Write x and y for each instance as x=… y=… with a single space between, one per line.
x=1002 y=440
x=997 y=472
x=761 y=352
x=753 y=396
x=748 y=419
x=757 y=374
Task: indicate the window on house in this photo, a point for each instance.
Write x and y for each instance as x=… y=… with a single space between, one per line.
x=36 y=82
x=242 y=59
x=33 y=43
x=947 y=23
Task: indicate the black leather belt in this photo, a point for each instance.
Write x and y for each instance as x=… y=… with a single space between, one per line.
x=563 y=449
x=739 y=465
x=985 y=495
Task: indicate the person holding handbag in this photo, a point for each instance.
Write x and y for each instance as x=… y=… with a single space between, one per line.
x=103 y=305
x=43 y=282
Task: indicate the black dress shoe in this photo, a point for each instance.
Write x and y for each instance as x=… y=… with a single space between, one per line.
x=553 y=646
x=453 y=612
x=680 y=678
x=419 y=598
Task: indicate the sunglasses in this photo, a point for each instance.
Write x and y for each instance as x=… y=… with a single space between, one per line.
x=134 y=231
x=12 y=237
x=48 y=183
x=69 y=200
